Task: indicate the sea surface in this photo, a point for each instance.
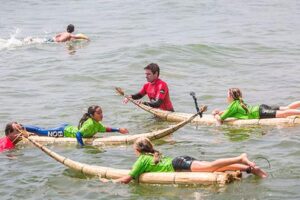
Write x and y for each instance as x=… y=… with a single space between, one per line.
x=201 y=46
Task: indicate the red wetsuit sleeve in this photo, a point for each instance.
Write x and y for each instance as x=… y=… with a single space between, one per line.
x=140 y=94
x=143 y=91
x=162 y=91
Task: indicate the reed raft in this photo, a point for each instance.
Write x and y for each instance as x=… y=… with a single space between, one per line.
x=205 y=178
x=209 y=119
x=114 y=140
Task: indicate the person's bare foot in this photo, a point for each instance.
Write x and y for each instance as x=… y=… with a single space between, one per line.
x=258 y=172
x=246 y=161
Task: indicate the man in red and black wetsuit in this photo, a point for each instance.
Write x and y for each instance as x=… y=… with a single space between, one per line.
x=12 y=136
x=156 y=89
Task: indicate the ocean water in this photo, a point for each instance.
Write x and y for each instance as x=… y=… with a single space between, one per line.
x=201 y=46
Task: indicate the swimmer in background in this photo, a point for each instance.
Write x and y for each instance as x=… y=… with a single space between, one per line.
x=61 y=37
x=67 y=36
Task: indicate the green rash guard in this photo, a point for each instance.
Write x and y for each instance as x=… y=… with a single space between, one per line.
x=235 y=110
x=88 y=129
x=145 y=163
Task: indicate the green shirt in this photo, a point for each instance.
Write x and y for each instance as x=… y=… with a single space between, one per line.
x=145 y=163
x=88 y=129
x=237 y=111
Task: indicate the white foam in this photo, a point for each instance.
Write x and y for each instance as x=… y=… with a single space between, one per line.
x=13 y=42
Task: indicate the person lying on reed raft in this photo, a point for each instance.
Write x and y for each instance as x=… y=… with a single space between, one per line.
x=12 y=136
x=151 y=160
x=239 y=110
x=88 y=126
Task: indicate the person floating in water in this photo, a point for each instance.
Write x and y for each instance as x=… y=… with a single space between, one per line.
x=61 y=37
x=67 y=36
x=12 y=136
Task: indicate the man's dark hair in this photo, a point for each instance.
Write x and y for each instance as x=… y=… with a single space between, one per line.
x=70 y=28
x=153 y=67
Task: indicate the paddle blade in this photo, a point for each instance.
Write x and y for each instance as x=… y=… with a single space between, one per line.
x=120 y=91
x=192 y=94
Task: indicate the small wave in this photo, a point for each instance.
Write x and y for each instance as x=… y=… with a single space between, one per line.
x=13 y=42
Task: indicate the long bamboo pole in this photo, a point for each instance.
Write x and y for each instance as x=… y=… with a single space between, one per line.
x=205 y=178
x=117 y=140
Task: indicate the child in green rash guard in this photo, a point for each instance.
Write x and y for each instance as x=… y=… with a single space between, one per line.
x=239 y=110
x=88 y=126
x=151 y=160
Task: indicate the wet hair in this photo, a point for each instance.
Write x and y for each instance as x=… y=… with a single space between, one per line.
x=9 y=128
x=70 y=28
x=144 y=145
x=88 y=114
x=236 y=94
x=153 y=67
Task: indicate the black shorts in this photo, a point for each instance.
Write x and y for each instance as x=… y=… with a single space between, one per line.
x=266 y=111
x=181 y=163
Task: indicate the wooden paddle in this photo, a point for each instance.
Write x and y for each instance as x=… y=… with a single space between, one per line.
x=151 y=178
x=200 y=110
x=121 y=92
x=203 y=107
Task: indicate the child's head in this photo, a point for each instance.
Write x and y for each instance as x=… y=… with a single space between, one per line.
x=144 y=146
x=70 y=28
x=234 y=94
x=11 y=131
x=94 y=112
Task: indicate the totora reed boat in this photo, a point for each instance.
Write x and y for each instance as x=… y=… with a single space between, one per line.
x=113 y=140
x=207 y=119
x=203 y=178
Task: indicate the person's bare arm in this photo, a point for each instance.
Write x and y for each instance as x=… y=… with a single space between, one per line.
x=125 y=179
x=219 y=121
x=80 y=37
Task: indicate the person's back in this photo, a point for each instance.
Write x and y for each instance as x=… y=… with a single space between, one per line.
x=65 y=36
x=236 y=110
x=145 y=163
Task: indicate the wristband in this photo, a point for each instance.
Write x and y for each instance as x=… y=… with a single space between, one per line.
x=108 y=129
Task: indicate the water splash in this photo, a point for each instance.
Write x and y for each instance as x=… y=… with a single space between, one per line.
x=13 y=42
